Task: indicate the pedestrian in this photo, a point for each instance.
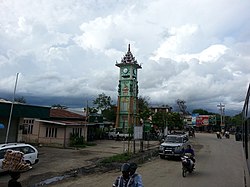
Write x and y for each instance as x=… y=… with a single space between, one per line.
x=13 y=181
x=123 y=180
x=135 y=178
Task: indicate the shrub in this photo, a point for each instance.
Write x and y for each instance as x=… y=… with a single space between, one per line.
x=76 y=140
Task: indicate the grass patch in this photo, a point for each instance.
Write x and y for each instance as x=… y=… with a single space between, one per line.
x=117 y=158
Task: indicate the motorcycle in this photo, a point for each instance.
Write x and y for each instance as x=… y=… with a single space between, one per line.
x=187 y=164
x=227 y=134
x=218 y=135
x=191 y=134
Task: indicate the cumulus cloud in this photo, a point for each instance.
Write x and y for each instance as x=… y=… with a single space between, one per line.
x=196 y=51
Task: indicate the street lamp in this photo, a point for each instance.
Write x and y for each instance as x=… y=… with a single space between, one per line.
x=11 y=109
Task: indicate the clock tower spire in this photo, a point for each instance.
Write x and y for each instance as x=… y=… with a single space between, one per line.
x=127 y=107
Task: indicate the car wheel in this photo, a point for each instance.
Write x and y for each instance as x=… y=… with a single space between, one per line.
x=162 y=156
x=28 y=162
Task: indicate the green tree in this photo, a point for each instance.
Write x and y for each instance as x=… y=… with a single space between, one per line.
x=200 y=111
x=110 y=113
x=174 y=120
x=237 y=119
x=103 y=102
x=159 y=119
x=92 y=110
x=171 y=119
x=234 y=120
x=143 y=108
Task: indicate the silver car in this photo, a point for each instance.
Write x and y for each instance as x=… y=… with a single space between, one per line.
x=173 y=145
x=30 y=152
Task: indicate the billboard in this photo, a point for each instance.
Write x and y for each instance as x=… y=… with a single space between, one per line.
x=202 y=120
x=194 y=116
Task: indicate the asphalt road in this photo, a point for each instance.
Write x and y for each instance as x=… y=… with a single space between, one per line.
x=219 y=164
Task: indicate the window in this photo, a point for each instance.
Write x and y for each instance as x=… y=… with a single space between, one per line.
x=28 y=150
x=30 y=129
x=2 y=153
x=51 y=132
x=77 y=131
x=25 y=128
x=24 y=149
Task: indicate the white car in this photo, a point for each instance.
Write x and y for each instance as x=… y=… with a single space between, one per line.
x=30 y=153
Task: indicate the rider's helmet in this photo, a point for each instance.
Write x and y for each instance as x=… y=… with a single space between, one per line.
x=125 y=167
x=133 y=166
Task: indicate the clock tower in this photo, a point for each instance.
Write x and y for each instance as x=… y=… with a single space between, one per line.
x=127 y=107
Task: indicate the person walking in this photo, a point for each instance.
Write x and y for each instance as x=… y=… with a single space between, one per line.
x=124 y=179
x=135 y=178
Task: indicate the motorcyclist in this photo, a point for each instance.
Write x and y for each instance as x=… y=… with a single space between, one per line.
x=190 y=151
x=191 y=132
x=136 y=178
x=227 y=134
x=124 y=179
x=218 y=135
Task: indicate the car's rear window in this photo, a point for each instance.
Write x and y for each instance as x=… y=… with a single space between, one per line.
x=24 y=149
x=2 y=153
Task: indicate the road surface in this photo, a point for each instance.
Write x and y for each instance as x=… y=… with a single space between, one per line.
x=219 y=164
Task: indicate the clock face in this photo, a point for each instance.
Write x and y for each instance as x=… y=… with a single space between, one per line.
x=125 y=70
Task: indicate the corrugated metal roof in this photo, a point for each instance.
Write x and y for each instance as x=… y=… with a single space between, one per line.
x=62 y=113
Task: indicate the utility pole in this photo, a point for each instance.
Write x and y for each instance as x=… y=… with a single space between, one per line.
x=11 y=109
x=86 y=122
x=222 y=109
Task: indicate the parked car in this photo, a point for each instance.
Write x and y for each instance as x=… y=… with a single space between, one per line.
x=173 y=145
x=117 y=133
x=30 y=152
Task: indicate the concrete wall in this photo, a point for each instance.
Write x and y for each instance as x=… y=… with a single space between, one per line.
x=13 y=130
x=44 y=133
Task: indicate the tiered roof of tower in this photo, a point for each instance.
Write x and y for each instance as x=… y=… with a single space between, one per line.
x=128 y=59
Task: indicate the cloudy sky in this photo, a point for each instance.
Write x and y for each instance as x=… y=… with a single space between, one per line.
x=66 y=50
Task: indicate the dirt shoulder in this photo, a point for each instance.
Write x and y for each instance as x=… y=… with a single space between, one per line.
x=55 y=162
